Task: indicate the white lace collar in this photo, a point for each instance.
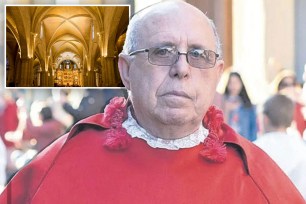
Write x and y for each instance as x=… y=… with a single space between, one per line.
x=132 y=127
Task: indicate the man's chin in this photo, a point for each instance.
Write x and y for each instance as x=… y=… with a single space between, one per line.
x=176 y=102
x=176 y=118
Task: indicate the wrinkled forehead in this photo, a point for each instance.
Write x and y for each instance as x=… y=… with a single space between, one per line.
x=176 y=23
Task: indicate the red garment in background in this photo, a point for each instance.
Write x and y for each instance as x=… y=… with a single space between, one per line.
x=44 y=134
x=299 y=118
x=78 y=169
x=8 y=120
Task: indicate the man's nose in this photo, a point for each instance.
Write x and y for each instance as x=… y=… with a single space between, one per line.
x=181 y=68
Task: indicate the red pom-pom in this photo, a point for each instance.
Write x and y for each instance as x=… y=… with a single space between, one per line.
x=115 y=112
x=214 y=150
x=213 y=119
x=117 y=139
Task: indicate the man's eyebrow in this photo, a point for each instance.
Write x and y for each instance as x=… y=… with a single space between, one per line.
x=165 y=43
x=197 y=46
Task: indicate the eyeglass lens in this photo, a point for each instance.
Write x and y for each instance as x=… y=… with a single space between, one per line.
x=167 y=56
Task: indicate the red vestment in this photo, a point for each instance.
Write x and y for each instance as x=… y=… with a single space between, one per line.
x=77 y=168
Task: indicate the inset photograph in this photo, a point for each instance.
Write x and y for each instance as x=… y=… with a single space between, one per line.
x=64 y=46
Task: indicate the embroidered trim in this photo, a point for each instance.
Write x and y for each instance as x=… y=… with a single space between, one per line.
x=135 y=130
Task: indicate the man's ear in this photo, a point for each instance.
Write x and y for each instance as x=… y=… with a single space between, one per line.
x=220 y=68
x=124 y=69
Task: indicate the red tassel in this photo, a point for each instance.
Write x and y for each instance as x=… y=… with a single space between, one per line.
x=114 y=114
x=117 y=139
x=214 y=148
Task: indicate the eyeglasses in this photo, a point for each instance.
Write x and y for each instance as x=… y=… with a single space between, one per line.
x=169 y=55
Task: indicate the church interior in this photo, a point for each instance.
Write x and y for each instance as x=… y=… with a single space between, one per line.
x=64 y=46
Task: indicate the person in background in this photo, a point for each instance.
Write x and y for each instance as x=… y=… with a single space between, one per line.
x=285 y=83
x=8 y=117
x=9 y=122
x=288 y=151
x=92 y=103
x=3 y=161
x=166 y=144
x=239 y=112
x=47 y=132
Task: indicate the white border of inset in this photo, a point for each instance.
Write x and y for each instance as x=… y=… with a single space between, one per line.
x=53 y=5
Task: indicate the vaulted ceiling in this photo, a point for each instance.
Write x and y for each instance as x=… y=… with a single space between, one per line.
x=51 y=34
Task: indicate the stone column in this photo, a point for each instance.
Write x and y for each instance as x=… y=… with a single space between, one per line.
x=85 y=76
x=97 y=77
x=103 y=71
x=17 y=71
x=108 y=71
x=91 y=79
x=10 y=73
x=44 y=78
x=50 y=79
x=38 y=77
x=81 y=78
x=26 y=73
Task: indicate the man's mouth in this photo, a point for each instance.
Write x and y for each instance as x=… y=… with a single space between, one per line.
x=177 y=93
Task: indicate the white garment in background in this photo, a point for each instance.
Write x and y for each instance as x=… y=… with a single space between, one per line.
x=3 y=160
x=289 y=152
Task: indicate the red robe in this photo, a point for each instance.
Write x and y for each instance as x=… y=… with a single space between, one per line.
x=78 y=169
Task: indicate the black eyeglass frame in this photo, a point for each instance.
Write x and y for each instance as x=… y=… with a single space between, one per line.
x=178 y=54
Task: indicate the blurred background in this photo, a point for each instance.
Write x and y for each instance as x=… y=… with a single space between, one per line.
x=259 y=38
x=262 y=40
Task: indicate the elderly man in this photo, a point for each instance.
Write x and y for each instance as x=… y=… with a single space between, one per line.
x=166 y=144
